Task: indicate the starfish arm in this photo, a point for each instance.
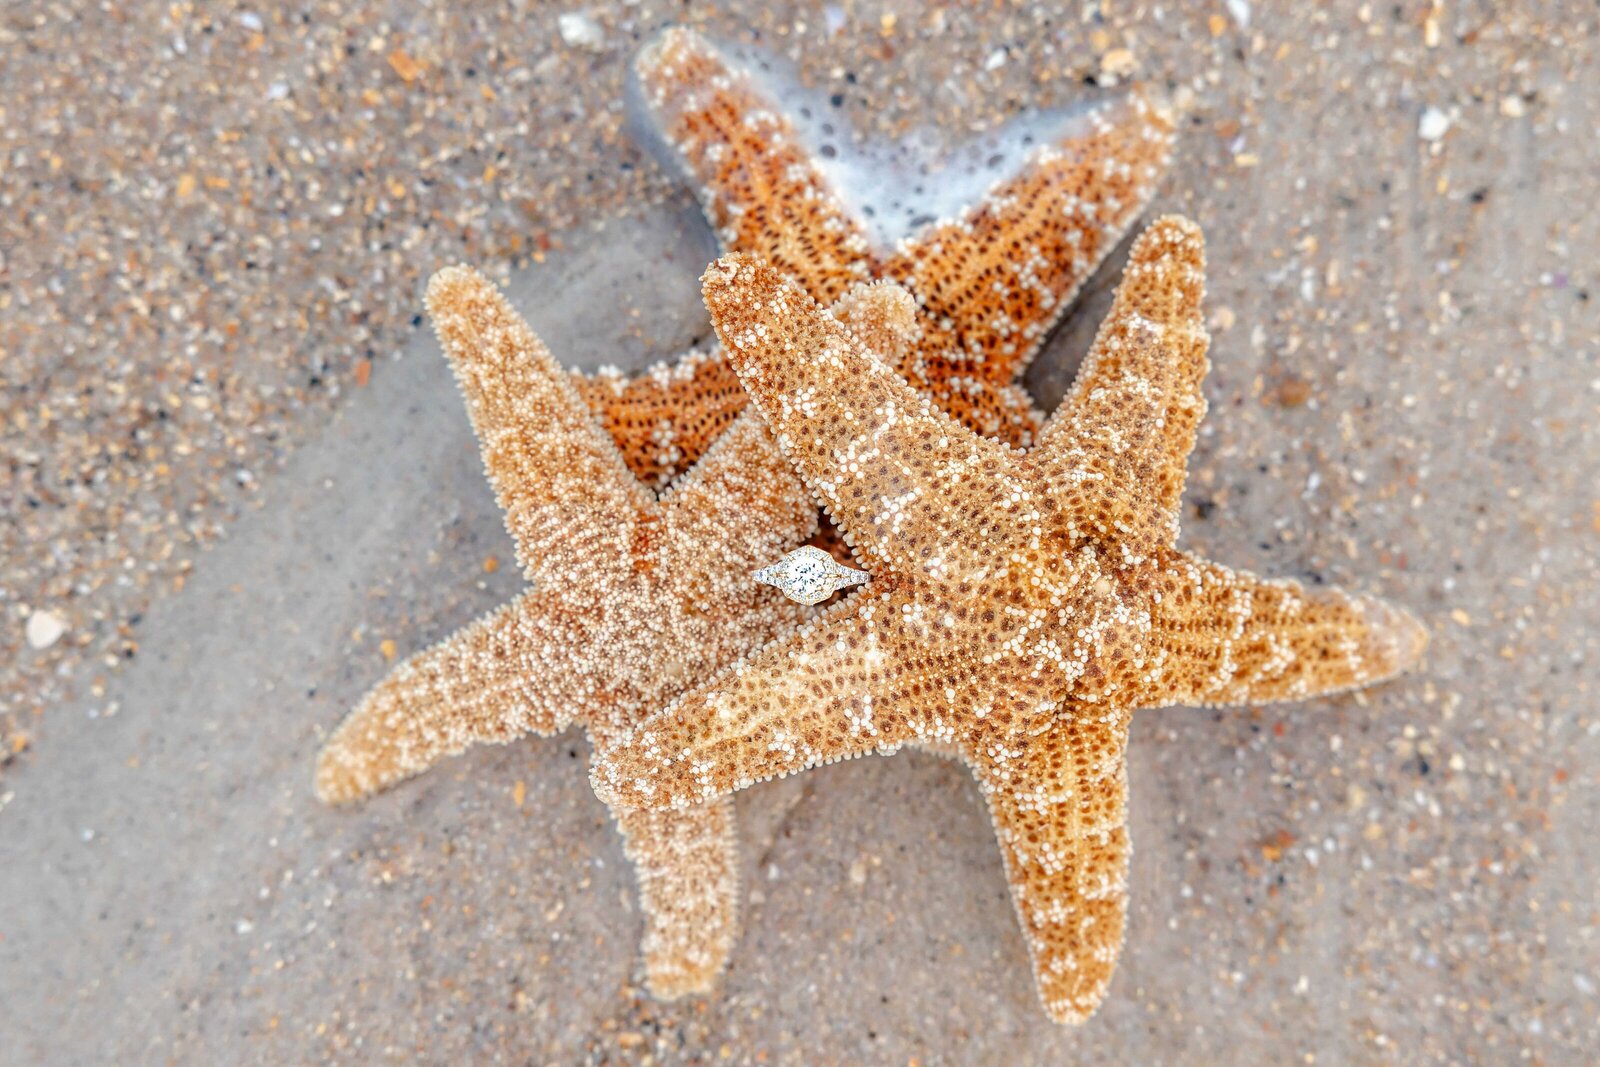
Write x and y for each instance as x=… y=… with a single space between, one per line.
x=883 y=317
x=687 y=863
x=740 y=508
x=1226 y=637
x=570 y=502
x=664 y=419
x=881 y=458
x=831 y=691
x=996 y=280
x=491 y=682
x=758 y=184
x=1116 y=451
x=1059 y=804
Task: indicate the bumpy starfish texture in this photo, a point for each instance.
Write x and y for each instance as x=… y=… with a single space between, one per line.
x=1020 y=606
x=989 y=284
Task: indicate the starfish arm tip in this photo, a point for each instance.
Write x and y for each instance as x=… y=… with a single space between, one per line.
x=1176 y=236
x=332 y=782
x=450 y=283
x=721 y=280
x=1391 y=627
x=649 y=61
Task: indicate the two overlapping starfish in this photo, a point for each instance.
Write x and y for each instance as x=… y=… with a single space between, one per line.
x=1021 y=605
x=638 y=597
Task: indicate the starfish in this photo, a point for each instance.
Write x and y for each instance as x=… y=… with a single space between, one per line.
x=989 y=284
x=635 y=597
x=1021 y=605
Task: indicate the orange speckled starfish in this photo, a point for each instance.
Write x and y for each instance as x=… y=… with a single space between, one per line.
x=1020 y=606
x=989 y=284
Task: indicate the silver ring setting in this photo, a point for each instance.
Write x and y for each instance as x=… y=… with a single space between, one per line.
x=808 y=575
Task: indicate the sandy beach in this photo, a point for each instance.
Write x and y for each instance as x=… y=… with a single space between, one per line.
x=240 y=484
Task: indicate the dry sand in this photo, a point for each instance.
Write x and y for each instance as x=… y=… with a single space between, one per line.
x=1405 y=398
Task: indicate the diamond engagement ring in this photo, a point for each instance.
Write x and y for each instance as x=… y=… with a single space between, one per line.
x=809 y=575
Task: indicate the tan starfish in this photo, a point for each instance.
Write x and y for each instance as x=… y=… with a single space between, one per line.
x=1020 y=605
x=989 y=283
x=636 y=596
x=574 y=650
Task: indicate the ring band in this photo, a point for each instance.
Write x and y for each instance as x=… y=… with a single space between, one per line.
x=808 y=575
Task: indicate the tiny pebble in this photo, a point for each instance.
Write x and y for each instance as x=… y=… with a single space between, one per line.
x=1433 y=125
x=580 y=31
x=44 y=628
